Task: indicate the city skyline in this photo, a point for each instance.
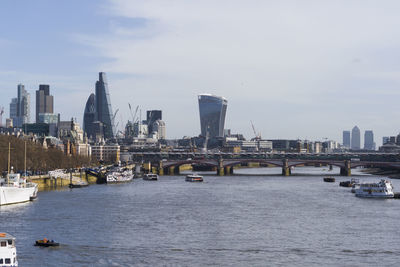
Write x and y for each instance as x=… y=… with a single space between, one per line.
x=150 y=61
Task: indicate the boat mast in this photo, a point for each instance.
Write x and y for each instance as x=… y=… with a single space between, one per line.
x=8 y=166
x=25 y=160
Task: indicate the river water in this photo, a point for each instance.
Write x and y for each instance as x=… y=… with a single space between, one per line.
x=241 y=220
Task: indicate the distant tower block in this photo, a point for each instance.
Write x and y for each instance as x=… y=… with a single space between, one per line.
x=1 y=116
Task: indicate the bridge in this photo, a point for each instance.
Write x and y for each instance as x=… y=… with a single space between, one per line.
x=223 y=163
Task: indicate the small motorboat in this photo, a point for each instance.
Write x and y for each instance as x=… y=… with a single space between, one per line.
x=349 y=183
x=150 y=177
x=329 y=179
x=46 y=243
x=78 y=185
x=194 y=178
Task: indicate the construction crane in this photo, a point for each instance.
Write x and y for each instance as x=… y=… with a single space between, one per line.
x=256 y=136
x=133 y=115
x=1 y=116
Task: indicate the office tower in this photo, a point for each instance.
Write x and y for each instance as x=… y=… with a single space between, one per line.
x=104 y=112
x=159 y=127
x=44 y=101
x=346 y=139
x=212 y=115
x=23 y=106
x=152 y=116
x=89 y=117
x=13 y=110
x=369 y=140
x=355 y=138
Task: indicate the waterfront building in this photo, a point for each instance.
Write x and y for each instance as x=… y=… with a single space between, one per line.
x=104 y=112
x=369 y=143
x=152 y=116
x=346 y=139
x=212 y=115
x=355 y=138
x=44 y=101
x=106 y=153
x=89 y=117
x=252 y=145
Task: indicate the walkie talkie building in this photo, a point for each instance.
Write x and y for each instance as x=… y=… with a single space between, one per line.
x=212 y=115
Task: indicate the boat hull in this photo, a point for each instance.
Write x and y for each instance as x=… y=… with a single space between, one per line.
x=13 y=195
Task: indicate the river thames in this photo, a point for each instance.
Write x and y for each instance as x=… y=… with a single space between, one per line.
x=240 y=220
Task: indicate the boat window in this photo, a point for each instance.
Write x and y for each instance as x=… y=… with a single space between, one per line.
x=1 y=261
x=8 y=260
x=9 y=241
x=3 y=243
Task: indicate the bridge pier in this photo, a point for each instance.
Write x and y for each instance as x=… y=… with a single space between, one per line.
x=285 y=168
x=228 y=170
x=220 y=168
x=173 y=170
x=330 y=167
x=160 y=170
x=346 y=170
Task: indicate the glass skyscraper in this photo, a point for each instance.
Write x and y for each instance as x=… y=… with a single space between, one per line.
x=104 y=112
x=355 y=138
x=346 y=139
x=90 y=116
x=212 y=115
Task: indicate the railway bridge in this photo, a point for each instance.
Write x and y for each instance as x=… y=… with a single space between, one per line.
x=224 y=163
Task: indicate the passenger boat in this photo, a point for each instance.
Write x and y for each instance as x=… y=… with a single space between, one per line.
x=382 y=189
x=194 y=178
x=15 y=189
x=150 y=177
x=119 y=176
x=46 y=243
x=8 y=251
x=329 y=179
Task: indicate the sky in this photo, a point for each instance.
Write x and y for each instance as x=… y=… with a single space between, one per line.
x=297 y=69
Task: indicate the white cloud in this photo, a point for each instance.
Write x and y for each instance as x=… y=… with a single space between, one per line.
x=273 y=60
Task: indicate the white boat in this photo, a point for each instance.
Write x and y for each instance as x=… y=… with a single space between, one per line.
x=194 y=178
x=382 y=189
x=119 y=176
x=15 y=189
x=8 y=251
x=150 y=177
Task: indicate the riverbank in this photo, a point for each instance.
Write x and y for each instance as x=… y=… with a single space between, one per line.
x=45 y=182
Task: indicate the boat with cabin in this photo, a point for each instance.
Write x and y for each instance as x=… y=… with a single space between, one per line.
x=150 y=177
x=8 y=250
x=194 y=178
x=329 y=179
x=382 y=189
x=119 y=176
x=15 y=189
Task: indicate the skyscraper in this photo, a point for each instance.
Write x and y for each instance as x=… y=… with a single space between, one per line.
x=23 y=106
x=212 y=115
x=355 y=138
x=104 y=112
x=153 y=116
x=90 y=116
x=369 y=140
x=346 y=139
x=13 y=110
x=44 y=101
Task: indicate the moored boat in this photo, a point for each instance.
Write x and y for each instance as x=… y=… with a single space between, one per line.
x=119 y=176
x=78 y=184
x=329 y=179
x=194 y=178
x=150 y=177
x=8 y=250
x=350 y=183
x=382 y=189
x=15 y=190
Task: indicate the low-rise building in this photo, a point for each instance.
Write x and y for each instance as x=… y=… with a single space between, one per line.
x=106 y=153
